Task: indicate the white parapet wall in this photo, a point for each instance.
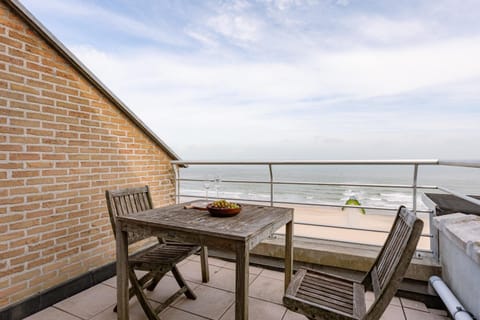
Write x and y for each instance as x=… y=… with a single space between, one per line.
x=459 y=242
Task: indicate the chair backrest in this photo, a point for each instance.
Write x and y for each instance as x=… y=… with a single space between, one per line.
x=128 y=201
x=393 y=260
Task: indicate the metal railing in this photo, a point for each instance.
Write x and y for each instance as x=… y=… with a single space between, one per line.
x=271 y=182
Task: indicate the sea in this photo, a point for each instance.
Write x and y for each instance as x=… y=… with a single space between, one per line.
x=214 y=183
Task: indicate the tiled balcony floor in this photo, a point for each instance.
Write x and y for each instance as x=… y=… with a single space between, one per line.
x=215 y=300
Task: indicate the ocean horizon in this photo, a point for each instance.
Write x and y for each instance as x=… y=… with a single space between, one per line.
x=454 y=178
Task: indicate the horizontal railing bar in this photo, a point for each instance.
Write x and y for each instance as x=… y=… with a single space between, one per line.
x=460 y=195
x=345 y=184
x=345 y=206
x=309 y=204
x=345 y=242
x=313 y=162
x=350 y=228
x=460 y=163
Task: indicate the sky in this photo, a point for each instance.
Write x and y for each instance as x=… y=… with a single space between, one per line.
x=287 y=79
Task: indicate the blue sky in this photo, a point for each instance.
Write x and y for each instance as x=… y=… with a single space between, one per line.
x=287 y=79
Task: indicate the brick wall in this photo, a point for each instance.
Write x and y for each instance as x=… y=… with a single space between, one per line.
x=62 y=144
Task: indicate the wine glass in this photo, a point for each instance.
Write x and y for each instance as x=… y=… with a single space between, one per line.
x=217 y=180
x=206 y=185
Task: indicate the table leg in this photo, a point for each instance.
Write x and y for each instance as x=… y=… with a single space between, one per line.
x=122 y=273
x=241 y=284
x=204 y=264
x=288 y=253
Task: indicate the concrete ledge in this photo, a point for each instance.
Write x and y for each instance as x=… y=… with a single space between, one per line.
x=356 y=257
x=463 y=230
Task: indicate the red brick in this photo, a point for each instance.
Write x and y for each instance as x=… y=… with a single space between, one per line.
x=24 y=105
x=39 y=67
x=24 y=156
x=11 y=42
x=11 y=147
x=23 y=37
x=23 y=71
x=40 y=100
x=11 y=60
x=40 y=84
x=11 y=77
x=24 y=89
x=40 y=132
x=53 y=79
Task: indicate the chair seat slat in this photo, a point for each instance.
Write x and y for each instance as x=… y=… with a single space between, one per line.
x=327 y=303
x=329 y=278
x=328 y=293
x=326 y=287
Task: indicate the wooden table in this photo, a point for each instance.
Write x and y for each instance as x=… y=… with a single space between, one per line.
x=239 y=234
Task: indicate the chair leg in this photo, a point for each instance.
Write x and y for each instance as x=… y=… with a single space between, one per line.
x=204 y=264
x=181 y=282
x=141 y=282
x=156 y=279
x=142 y=299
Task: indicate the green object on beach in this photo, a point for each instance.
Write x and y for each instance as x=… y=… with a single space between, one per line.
x=354 y=202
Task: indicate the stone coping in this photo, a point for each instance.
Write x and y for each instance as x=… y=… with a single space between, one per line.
x=356 y=257
x=463 y=230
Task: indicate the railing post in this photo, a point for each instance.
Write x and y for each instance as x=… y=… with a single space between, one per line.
x=176 y=169
x=415 y=178
x=271 y=183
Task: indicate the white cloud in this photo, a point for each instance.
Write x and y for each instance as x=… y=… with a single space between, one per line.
x=383 y=29
x=308 y=88
x=193 y=101
x=236 y=27
x=343 y=3
x=287 y=4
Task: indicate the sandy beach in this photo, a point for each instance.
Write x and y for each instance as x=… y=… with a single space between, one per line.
x=350 y=217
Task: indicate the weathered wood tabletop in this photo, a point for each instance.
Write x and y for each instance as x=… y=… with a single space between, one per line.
x=239 y=233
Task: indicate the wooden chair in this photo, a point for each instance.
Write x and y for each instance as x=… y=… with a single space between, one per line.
x=319 y=295
x=157 y=259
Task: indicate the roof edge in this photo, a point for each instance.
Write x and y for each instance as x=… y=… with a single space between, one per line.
x=84 y=71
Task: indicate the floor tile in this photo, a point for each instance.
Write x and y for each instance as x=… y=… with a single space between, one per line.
x=135 y=312
x=273 y=274
x=192 y=271
x=166 y=288
x=369 y=297
x=210 y=303
x=215 y=299
x=90 y=302
x=258 y=310
x=439 y=312
x=412 y=304
x=217 y=262
x=51 y=313
x=290 y=315
x=211 y=261
x=177 y=314
x=413 y=314
x=225 y=279
x=393 y=313
x=251 y=269
x=112 y=282
x=267 y=289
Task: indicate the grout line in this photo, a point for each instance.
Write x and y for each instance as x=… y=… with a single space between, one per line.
x=69 y=313
x=403 y=309
x=197 y=315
